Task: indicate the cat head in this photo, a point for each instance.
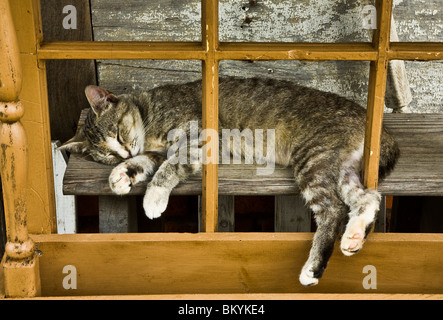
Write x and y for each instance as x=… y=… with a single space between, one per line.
x=113 y=129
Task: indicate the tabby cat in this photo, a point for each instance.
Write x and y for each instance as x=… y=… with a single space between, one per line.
x=318 y=134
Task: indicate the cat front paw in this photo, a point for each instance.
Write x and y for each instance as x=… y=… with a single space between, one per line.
x=155 y=201
x=119 y=181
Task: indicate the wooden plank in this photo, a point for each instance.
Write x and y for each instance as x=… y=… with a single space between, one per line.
x=226 y=214
x=418 y=171
x=233 y=51
x=193 y=50
x=296 y=51
x=291 y=214
x=120 y=50
x=243 y=263
x=376 y=95
x=117 y=214
x=233 y=180
x=210 y=69
x=66 y=209
x=423 y=51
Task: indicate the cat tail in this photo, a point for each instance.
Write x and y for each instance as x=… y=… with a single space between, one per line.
x=389 y=154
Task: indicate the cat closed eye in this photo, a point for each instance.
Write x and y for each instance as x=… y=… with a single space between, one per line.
x=119 y=136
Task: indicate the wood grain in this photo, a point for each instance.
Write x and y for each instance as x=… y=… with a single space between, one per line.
x=20 y=263
x=376 y=94
x=40 y=184
x=210 y=79
x=296 y=51
x=416 y=51
x=120 y=50
x=259 y=296
x=207 y=263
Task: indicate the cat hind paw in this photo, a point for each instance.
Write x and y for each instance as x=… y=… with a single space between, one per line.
x=155 y=201
x=351 y=244
x=354 y=237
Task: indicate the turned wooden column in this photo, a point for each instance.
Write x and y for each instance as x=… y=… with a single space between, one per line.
x=20 y=262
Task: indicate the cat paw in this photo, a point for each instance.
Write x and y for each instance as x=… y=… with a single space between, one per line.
x=119 y=181
x=353 y=238
x=307 y=278
x=155 y=201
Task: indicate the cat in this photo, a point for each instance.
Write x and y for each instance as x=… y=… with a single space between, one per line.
x=318 y=134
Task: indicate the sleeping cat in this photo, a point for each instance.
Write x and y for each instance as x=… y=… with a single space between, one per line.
x=318 y=134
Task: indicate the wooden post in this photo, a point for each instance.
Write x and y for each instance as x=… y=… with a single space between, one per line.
x=376 y=94
x=226 y=214
x=40 y=184
x=117 y=214
x=291 y=214
x=65 y=204
x=210 y=112
x=20 y=263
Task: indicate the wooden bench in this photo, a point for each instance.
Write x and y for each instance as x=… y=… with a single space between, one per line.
x=419 y=172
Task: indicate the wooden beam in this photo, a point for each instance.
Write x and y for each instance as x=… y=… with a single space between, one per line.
x=226 y=213
x=376 y=94
x=169 y=263
x=117 y=214
x=210 y=115
x=235 y=51
x=424 y=51
x=120 y=50
x=291 y=214
x=296 y=51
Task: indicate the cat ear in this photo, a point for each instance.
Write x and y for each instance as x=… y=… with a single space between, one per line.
x=99 y=99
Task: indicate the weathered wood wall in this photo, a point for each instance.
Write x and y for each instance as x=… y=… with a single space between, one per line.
x=267 y=20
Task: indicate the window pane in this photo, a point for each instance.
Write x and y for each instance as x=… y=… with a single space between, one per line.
x=425 y=81
x=297 y=21
x=419 y=20
x=129 y=20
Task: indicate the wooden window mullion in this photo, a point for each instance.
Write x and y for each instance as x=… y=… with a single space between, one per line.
x=210 y=82
x=376 y=94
